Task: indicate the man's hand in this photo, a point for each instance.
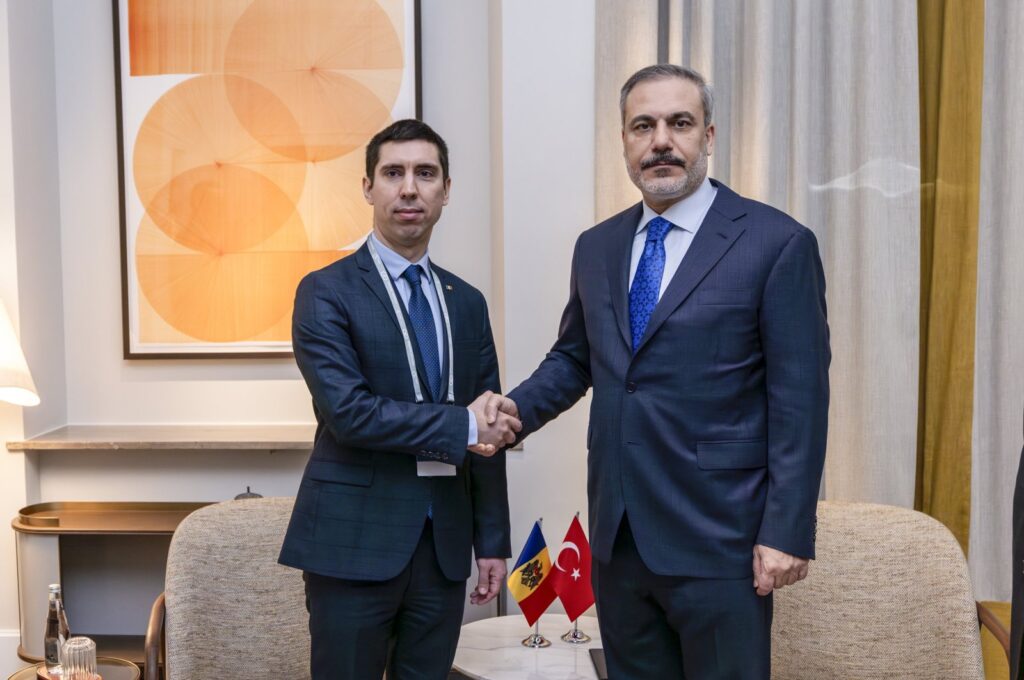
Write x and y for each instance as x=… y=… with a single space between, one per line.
x=498 y=403
x=498 y=430
x=492 y=573
x=774 y=569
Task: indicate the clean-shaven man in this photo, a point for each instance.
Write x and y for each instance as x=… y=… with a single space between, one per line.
x=392 y=504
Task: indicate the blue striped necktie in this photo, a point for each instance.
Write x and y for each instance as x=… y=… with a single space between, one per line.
x=643 y=295
x=423 y=326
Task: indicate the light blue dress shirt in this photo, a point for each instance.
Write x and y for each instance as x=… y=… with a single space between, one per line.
x=686 y=216
x=396 y=266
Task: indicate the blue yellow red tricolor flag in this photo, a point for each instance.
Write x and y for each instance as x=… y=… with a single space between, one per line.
x=529 y=582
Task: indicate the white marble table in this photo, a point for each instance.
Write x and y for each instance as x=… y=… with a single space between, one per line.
x=490 y=649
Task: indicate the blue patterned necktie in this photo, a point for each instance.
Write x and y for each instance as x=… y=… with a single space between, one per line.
x=643 y=295
x=423 y=326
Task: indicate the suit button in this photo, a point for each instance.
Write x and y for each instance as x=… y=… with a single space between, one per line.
x=631 y=387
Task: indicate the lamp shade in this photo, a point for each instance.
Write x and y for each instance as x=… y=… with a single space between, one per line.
x=16 y=384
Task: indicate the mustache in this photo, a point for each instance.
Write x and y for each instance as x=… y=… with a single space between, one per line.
x=662 y=159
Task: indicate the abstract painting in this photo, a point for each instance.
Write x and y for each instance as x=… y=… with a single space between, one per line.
x=242 y=131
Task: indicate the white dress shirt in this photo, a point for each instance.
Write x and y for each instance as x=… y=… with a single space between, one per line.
x=686 y=217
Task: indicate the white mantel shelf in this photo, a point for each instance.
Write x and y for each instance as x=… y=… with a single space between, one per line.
x=129 y=438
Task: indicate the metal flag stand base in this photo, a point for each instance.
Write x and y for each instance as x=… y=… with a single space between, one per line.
x=535 y=639
x=576 y=636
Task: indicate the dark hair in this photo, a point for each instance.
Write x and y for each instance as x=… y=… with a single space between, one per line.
x=656 y=71
x=406 y=130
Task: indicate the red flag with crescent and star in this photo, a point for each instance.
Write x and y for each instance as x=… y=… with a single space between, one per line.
x=570 y=574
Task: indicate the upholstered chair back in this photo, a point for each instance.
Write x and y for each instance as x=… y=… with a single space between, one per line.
x=233 y=612
x=889 y=596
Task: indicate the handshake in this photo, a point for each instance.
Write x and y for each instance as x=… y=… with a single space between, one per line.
x=497 y=422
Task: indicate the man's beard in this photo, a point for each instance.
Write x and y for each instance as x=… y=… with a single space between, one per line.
x=682 y=186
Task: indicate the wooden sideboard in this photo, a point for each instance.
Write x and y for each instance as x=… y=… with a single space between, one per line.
x=110 y=556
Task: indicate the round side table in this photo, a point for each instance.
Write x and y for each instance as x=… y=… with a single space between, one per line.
x=490 y=649
x=108 y=667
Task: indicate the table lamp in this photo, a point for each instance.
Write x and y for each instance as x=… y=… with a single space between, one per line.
x=16 y=384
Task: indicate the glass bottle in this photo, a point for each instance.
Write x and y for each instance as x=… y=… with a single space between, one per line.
x=57 y=632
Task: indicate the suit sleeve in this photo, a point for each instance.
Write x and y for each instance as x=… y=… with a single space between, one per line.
x=356 y=416
x=564 y=376
x=795 y=342
x=489 y=484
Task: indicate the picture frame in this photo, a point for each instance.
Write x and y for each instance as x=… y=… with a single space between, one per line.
x=241 y=132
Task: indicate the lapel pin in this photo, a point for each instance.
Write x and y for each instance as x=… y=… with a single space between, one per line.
x=448 y=286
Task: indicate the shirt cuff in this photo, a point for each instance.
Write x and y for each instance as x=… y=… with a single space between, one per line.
x=473 y=434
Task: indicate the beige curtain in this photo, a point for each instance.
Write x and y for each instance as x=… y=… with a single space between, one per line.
x=951 y=48
x=626 y=40
x=999 y=359
x=817 y=114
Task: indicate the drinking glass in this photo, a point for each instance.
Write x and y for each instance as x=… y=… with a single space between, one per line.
x=78 y=659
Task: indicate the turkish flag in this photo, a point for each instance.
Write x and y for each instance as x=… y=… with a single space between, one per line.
x=570 y=574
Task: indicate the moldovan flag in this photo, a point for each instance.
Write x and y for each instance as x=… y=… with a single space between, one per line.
x=570 y=577
x=529 y=582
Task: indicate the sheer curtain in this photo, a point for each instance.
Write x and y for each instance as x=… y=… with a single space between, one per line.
x=999 y=359
x=816 y=114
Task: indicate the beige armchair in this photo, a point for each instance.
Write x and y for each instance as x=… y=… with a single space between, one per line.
x=889 y=596
x=228 y=610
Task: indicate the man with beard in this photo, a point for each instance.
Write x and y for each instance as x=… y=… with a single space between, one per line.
x=698 y=317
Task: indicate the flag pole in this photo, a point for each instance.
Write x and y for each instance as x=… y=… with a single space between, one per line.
x=576 y=636
x=535 y=639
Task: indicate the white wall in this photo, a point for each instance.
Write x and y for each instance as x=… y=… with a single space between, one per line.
x=547 y=165
x=513 y=96
x=12 y=477
x=31 y=258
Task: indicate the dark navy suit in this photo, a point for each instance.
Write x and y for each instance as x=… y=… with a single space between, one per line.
x=361 y=509
x=711 y=438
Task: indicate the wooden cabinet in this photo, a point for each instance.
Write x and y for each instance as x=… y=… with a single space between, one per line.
x=110 y=559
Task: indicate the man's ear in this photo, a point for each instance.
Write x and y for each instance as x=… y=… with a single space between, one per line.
x=367 y=185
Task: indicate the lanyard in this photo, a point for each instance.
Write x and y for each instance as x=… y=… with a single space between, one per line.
x=410 y=357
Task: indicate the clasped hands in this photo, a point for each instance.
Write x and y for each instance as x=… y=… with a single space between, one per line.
x=497 y=422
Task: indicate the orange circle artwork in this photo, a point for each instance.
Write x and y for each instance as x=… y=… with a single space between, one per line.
x=249 y=173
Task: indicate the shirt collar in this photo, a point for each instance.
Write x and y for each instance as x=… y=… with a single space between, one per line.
x=395 y=263
x=686 y=214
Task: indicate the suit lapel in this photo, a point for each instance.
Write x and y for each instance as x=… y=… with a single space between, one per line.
x=716 y=235
x=372 y=279
x=620 y=250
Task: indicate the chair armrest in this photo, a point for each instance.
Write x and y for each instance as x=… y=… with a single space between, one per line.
x=155 y=638
x=987 y=619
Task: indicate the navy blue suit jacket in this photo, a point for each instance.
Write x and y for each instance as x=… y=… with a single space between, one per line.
x=712 y=437
x=361 y=507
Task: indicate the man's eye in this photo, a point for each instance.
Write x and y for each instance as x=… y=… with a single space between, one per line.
x=642 y=127
x=391 y=173
x=682 y=123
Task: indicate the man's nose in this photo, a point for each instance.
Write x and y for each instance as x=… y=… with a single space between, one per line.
x=408 y=188
x=662 y=139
